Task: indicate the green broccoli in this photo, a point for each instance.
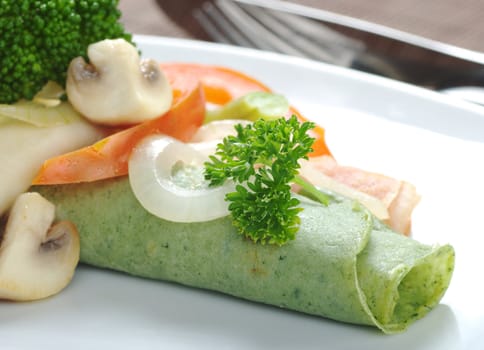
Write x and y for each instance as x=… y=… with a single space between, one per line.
x=38 y=39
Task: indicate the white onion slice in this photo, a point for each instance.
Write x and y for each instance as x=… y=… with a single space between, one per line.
x=156 y=187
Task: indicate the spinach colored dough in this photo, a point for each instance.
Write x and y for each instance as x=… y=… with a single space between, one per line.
x=343 y=264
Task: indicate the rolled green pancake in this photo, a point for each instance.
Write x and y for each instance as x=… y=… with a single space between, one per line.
x=343 y=264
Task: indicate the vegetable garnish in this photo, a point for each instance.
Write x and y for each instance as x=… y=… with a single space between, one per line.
x=40 y=38
x=193 y=85
x=109 y=157
x=167 y=178
x=252 y=106
x=262 y=159
x=222 y=85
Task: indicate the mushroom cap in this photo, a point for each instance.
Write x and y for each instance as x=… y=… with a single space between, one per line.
x=117 y=87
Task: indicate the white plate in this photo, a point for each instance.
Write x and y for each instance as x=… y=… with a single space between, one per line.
x=373 y=123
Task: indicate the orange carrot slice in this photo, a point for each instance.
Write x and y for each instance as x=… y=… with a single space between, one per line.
x=220 y=84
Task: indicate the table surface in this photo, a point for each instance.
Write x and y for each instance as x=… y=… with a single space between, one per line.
x=455 y=22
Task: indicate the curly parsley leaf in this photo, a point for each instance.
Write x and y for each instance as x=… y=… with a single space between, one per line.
x=262 y=159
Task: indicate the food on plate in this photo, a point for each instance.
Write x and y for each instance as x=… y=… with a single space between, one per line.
x=143 y=169
x=25 y=145
x=38 y=40
x=109 y=156
x=397 y=196
x=344 y=264
x=262 y=159
x=223 y=84
x=37 y=257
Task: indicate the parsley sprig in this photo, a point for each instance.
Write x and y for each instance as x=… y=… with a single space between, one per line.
x=262 y=160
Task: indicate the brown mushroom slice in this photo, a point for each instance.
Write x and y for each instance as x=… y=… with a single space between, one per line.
x=37 y=259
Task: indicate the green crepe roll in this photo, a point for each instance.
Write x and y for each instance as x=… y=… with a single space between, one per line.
x=343 y=264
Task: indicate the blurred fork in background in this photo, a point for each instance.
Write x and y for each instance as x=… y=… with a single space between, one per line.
x=307 y=32
x=265 y=29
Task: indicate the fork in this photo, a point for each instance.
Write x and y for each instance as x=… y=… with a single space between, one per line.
x=245 y=23
x=242 y=24
x=233 y=23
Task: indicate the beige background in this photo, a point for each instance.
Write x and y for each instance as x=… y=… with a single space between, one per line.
x=456 y=22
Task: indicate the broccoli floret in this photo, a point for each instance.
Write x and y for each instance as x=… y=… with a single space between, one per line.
x=38 y=39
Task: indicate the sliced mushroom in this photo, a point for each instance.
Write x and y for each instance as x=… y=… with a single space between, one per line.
x=117 y=87
x=37 y=260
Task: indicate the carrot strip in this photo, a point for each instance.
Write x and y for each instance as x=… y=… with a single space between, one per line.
x=319 y=146
x=220 y=84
